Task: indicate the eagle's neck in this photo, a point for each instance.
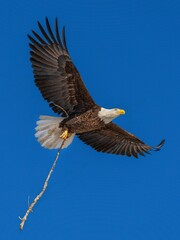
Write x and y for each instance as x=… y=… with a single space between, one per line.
x=107 y=115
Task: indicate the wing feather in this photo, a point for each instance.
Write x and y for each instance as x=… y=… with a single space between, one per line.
x=64 y=39
x=44 y=33
x=50 y=31
x=57 y=33
x=115 y=140
x=38 y=37
x=55 y=74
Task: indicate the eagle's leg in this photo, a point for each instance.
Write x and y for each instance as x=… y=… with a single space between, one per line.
x=65 y=135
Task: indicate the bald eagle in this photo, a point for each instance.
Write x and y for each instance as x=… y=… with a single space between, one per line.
x=61 y=85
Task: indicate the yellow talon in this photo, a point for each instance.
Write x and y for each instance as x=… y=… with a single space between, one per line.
x=64 y=135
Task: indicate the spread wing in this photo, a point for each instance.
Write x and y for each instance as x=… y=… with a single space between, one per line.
x=113 y=139
x=55 y=74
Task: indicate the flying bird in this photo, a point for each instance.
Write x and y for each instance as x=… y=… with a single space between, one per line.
x=62 y=87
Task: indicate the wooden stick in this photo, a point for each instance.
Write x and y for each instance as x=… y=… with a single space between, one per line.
x=30 y=208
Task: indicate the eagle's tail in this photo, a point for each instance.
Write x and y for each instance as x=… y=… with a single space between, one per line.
x=48 y=132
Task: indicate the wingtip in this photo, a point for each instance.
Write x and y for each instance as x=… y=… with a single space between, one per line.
x=64 y=39
x=47 y=21
x=56 y=22
x=64 y=32
x=160 y=145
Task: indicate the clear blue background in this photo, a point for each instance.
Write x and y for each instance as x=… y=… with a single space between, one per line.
x=128 y=53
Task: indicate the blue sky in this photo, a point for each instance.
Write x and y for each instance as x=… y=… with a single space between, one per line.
x=128 y=53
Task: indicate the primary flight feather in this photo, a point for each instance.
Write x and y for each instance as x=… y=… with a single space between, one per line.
x=61 y=85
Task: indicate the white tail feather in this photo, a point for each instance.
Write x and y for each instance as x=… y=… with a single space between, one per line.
x=48 y=132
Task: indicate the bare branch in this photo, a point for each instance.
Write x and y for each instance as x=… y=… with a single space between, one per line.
x=30 y=207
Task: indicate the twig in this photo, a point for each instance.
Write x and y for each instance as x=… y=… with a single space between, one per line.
x=60 y=108
x=30 y=207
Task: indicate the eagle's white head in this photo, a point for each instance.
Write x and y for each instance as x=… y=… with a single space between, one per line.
x=107 y=115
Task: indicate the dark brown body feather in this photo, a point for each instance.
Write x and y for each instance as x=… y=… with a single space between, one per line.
x=60 y=84
x=84 y=122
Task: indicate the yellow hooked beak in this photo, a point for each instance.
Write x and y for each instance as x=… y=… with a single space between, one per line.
x=121 y=111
